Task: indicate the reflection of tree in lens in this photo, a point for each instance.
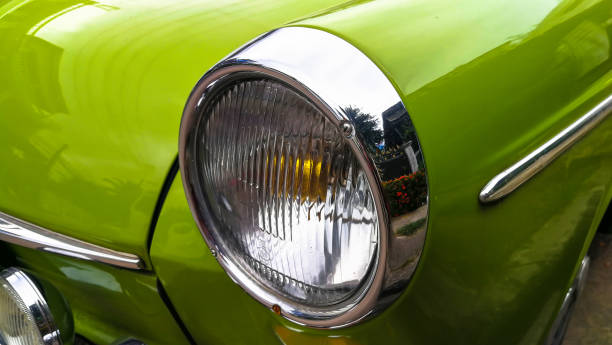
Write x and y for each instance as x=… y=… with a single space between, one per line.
x=401 y=154
x=366 y=127
x=396 y=152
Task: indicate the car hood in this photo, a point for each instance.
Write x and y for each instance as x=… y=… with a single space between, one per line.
x=91 y=100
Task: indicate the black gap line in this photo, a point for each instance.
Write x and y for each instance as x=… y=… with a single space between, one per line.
x=160 y=201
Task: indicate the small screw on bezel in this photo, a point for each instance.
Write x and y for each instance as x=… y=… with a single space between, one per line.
x=347 y=129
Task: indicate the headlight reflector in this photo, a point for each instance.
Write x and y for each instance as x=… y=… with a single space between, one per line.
x=291 y=202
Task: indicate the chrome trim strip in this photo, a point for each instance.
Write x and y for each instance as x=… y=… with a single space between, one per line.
x=22 y=233
x=559 y=326
x=510 y=179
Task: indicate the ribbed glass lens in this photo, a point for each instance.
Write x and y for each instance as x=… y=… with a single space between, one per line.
x=290 y=201
x=17 y=324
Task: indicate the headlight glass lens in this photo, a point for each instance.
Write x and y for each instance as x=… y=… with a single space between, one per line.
x=290 y=201
x=17 y=324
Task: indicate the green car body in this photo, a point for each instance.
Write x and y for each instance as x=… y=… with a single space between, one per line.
x=91 y=99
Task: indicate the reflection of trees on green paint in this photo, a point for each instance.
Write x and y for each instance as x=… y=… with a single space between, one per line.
x=43 y=139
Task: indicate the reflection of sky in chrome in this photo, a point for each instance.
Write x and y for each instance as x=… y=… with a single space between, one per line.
x=373 y=101
x=343 y=67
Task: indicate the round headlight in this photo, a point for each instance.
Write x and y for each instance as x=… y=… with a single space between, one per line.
x=25 y=316
x=290 y=172
x=289 y=198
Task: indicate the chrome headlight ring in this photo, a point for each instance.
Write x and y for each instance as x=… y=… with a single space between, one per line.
x=341 y=82
x=38 y=307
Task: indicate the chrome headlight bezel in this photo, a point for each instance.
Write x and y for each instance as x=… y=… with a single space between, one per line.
x=308 y=60
x=44 y=303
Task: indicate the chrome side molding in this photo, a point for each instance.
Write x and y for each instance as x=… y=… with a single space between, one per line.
x=513 y=177
x=559 y=326
x=22 y=233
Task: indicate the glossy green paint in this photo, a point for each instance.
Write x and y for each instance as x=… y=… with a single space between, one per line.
x=485 y=82
x=91 y=98
x=501 y=285
x=108 y=304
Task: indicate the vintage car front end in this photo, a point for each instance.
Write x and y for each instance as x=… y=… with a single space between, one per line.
x=362 y=172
